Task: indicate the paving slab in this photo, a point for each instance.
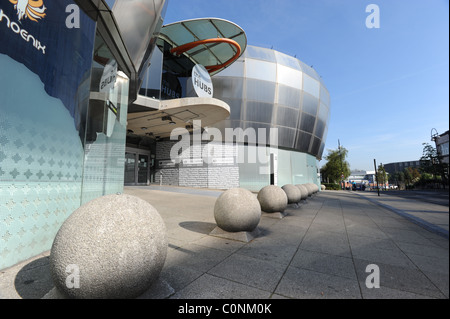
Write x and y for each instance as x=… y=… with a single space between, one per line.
x=319 y=250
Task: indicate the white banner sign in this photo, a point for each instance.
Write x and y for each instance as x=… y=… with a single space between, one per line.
x=201 y=80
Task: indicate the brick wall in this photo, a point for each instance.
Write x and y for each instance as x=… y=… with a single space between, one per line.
x=211 y=165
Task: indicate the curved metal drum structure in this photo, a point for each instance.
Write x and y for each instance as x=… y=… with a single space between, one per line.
x=269 y=89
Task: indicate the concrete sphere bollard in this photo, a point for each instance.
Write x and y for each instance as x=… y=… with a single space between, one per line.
x=313 y=187
x=316 y=188
x=114 y=246
x=323 y=187
x=303 y=190
x=293 y=193
x=237 y=210
x=272 y=199
x=310 y=190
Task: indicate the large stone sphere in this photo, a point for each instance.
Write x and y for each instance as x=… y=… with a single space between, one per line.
x=317 y=188
x=237 y=210
x=272 y=199
x=115 y=246
x=308 y=187
x=314 y=188
x=293 y=193
x=303 y=190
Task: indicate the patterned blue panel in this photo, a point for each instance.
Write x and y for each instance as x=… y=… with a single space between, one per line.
x=41 y=160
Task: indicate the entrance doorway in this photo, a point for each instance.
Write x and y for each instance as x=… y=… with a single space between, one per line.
x=137 y=167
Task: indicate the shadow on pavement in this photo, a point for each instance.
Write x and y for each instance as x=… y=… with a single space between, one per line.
x=33 y=280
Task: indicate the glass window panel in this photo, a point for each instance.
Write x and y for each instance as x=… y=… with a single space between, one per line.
x=151 y=86
x=235 y=107
x=315 y=146
x=250 y=176
x=228 y=124
x=143 y=169
x=307 y=123
x=284 y=168
x=261 y=91
x=309 y=70
x=289 y=96
x=324 y=137
x=235 y=69
x=178 y=35
x=260 y=53
x=310 y=104
x=303 y=142
x=289 y=76
x=287 y=117
x=321 y=149
x=320 y=128
x=259 y=112
x=261 y=70
x=311 y=86
x=256 y=126
x=222 y=52
x=105 y=134
x=130 y=160
x=299 y=168
x=286 y=137
x=324 y=95
x=287 y=60
x=227 y=87
x=323 y=112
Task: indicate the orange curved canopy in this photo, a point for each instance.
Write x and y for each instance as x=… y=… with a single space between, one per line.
x=211 y=68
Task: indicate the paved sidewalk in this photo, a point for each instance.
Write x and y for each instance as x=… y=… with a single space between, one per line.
x=320 y=250
x=432 y=216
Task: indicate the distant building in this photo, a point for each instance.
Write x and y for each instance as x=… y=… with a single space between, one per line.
x=391 y=168
x=442 y=141
x=361 y=177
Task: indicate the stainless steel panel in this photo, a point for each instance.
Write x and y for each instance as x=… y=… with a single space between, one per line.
x=139 y=22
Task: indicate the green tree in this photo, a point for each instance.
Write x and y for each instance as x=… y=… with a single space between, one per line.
x=429 y=162
x=408 y=177
x=382 y=176
x=415 y=174
x=336 y=166
x=396 y=178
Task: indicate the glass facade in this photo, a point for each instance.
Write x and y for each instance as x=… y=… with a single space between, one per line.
x=63 y=111
x=266 y=88
x=106 y=125
x=44 y=100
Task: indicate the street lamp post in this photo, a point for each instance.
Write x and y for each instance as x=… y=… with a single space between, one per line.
x=342 y=168
x=376 y=176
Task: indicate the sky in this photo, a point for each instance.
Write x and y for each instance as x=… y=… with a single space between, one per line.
x=389 y=86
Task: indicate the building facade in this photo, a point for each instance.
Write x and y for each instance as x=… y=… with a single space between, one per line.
x=85 y=110
x=268 y=93
x=442 y=146
x=392 y=168
x=64 y=99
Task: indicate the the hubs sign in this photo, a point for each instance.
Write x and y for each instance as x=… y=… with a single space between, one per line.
x=201 y=80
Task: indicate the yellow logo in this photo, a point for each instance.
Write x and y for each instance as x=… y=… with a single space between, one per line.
x=31 y=9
